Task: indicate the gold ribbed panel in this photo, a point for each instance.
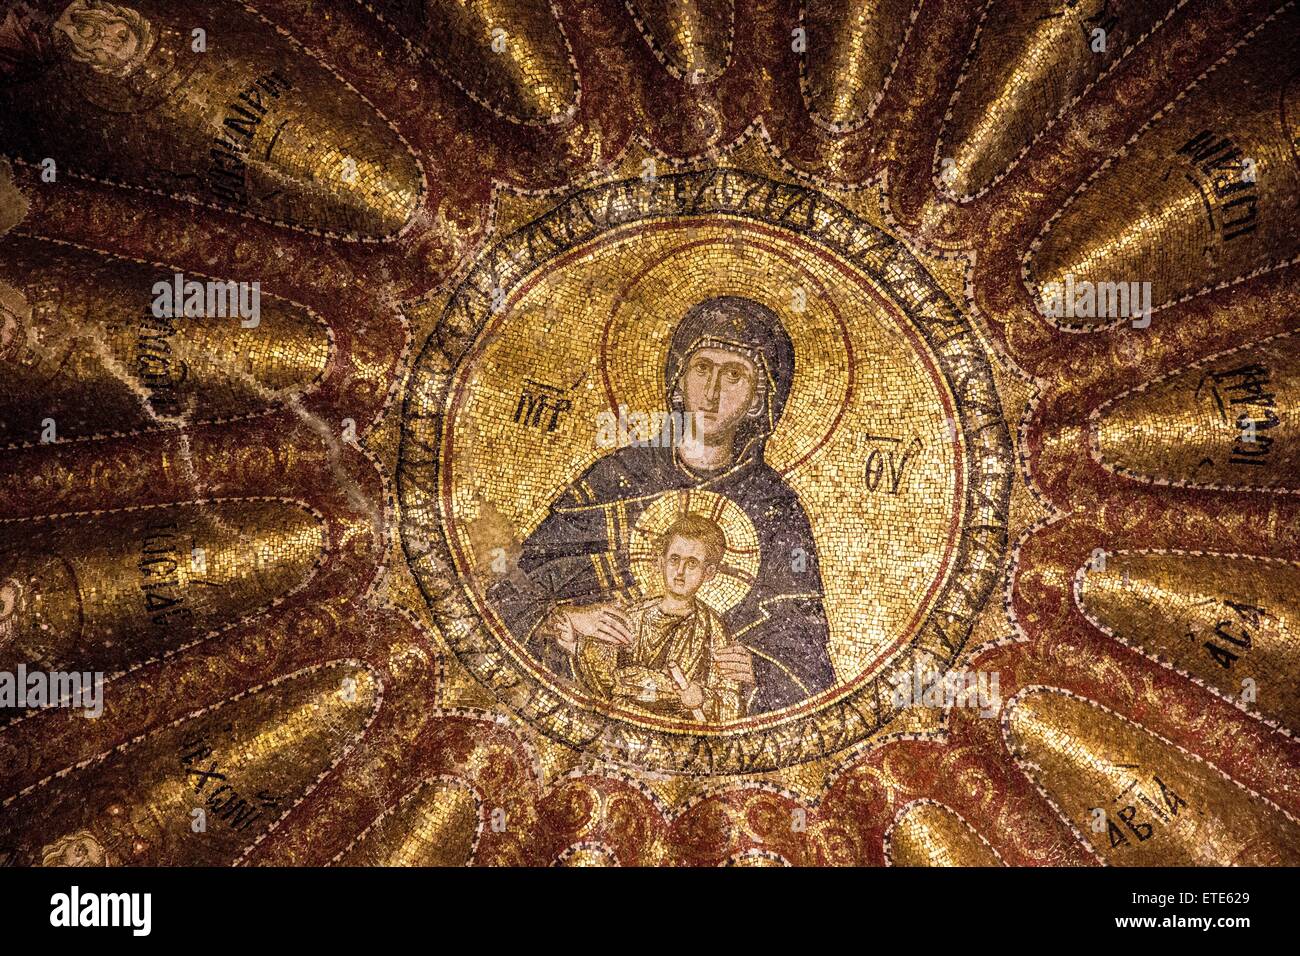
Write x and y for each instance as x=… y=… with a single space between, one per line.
x=253 y=124
x=1230 y=422
x=107 y=590
x=1178 y=209
x=244 y=764
x=1231 y=622
x=437 y=825
x=930 y=834
x=508 y=55
x=692 y=37
x=80 y=344
x=1137 y=799
x=852 y=48
x=1031 y=58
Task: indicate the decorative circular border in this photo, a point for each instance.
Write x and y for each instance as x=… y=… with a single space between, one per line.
x=955 y=347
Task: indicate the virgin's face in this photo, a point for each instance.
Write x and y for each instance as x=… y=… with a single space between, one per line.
x=718 y=386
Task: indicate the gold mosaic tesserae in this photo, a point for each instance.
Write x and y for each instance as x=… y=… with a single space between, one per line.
x=672 y=432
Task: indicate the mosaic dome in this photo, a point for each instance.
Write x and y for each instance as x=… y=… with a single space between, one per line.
x=675 y=432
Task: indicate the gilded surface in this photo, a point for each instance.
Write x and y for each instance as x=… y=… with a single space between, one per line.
x=1031 y=60
x=1225 y=189
x=852 y=50
x=651 y=433
x=929 y=834
x=83 y=350
x=1226 y=620
x=1227 y=422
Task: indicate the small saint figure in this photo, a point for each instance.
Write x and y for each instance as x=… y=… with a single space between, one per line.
x=669 y=666
x=113 y=39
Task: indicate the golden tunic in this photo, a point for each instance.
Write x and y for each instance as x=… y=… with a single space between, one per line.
x=642 y=675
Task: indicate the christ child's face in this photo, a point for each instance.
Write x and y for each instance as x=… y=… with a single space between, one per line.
x=686 y=566
x=718 y=386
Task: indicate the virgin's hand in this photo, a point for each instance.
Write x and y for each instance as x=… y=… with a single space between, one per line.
x=561 y=630
x=736 y=663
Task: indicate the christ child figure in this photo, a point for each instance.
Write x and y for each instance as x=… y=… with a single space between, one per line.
x=668 y=667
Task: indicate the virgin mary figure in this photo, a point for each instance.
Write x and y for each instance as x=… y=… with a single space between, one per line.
x=730 y=365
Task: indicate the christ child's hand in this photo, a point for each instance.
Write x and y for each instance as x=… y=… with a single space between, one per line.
x=693 y=696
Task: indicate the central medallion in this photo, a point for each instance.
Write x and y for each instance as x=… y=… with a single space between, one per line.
x=694 y=467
